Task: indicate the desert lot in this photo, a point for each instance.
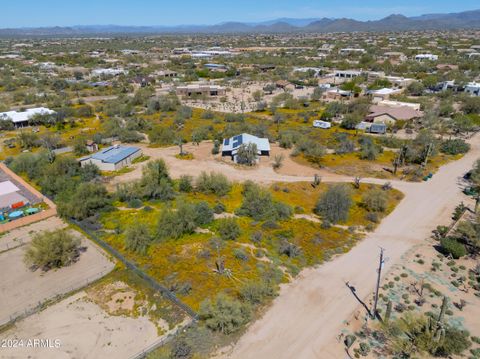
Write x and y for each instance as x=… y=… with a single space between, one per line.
x=84 y=330
x=21 y=289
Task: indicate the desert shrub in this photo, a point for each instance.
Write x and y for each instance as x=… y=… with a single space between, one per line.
x=185 y=184
x=224 y=314
x=137 y=238
x=204 y=214
x=219 y=208
x=289 y=249
x=52 y=249
x=375 y=200
x=229 y=229
x=422 y=341
x=213 y=183
x=87 y=200
x=334 y=204
x=175 y=224
x=259 y=204
x=181 y=349
x=240 y=254
x=368 y=149
x=135 y=203
x=257 y=292
x=453 y=247
x=454 y=146
x=156 y=182
x=247 y=154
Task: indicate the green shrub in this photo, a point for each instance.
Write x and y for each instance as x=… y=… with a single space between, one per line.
x=224 y=314
x=453 y=247
x=185 y=184
x=213 y=183
x=203 y=213
x=137 y=238
x=53 y=249
x=229 y=229
x=334 y=204
x=375 y=200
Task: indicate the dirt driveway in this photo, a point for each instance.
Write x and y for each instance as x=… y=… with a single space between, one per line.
x=22 y=289
x=304 y=320
x=204 y=161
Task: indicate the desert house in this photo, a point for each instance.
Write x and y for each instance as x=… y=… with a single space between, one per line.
x=113 y=158
x=389 y=115
x=231 y=145
x=21 y=119
x=473 y=88
x=322 y=124
x=200 y=90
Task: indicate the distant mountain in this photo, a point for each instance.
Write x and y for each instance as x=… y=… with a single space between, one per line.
x=394 y=22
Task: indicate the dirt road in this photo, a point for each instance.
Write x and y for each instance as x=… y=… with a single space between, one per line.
x=309 y=312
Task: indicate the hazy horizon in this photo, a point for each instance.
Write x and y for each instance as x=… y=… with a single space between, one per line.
x=50 y=13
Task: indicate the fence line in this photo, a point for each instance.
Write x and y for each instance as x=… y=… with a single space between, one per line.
x=143 y=354
x=32 y=309
x=130 y=265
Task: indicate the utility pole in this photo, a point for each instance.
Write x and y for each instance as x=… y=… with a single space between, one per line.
x=379 y=271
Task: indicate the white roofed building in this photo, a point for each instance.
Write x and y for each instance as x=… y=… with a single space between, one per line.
x=20 y=119
x=231 y=145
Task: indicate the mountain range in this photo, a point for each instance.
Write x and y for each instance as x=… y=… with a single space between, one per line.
x=394 y=22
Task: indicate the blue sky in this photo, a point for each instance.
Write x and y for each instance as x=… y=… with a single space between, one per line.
x=31 y=13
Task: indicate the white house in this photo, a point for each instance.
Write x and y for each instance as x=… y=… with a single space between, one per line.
x=231 y=145
x=473 y=88
x=322 y=124
x=429 y=57
x=112 y=158
x=350 y=50
x=20 y=119
x=108 y=72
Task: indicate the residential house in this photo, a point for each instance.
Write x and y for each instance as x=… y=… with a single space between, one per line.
x=231 y=145
x=200 y=90
x=389 y=115
x=473 y=88
x=20 y=119
x=426 y=57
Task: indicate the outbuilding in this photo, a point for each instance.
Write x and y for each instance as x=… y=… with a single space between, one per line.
x=112 y=158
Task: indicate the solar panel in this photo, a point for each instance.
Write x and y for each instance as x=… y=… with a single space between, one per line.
x=237 y=141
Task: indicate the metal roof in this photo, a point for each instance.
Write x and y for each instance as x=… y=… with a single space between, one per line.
x=114 y=154
x=233 y=143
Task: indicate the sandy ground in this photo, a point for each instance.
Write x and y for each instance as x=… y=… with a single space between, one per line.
x=441 y=279
x=19 y=236
x=304 y=320
x=244 y=94
x=22 y=289
x=84 y=330
x=263 y=173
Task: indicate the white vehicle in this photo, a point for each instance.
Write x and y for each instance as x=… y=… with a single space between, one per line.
x=322 y=124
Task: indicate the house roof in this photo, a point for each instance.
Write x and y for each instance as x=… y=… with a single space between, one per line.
x=234 y=143
x=114 y=154
x=399 y=113
x=24 y=116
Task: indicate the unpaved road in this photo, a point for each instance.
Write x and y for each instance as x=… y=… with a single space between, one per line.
x=309 y=312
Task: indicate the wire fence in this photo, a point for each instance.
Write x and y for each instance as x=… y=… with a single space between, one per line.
x=162 y=341
x=42 y=303
x=130 y=265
